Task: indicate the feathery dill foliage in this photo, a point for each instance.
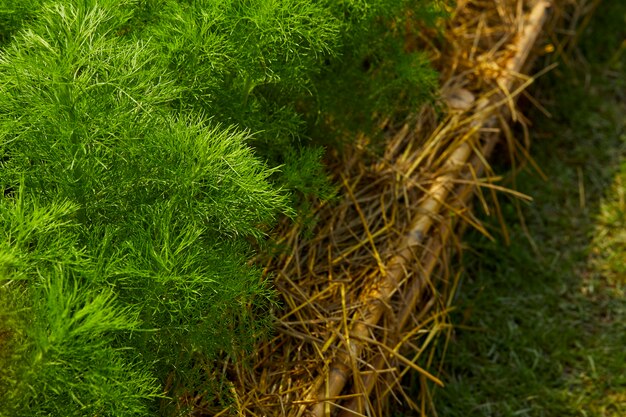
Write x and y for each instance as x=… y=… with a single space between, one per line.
x=377 y=73
x=124 y=225
x=13 y=14
x=289 y=70
x=57 y=327
x=133 y=194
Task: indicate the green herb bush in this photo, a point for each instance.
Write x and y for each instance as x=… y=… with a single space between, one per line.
x=146 y=149
x=292 y=70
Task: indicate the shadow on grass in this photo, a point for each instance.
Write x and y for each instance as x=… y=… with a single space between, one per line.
x=541 y=324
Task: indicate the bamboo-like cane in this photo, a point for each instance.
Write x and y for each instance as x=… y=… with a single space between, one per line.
x=375 y=299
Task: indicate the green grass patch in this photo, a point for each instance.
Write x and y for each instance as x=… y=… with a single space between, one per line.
x=541 y=323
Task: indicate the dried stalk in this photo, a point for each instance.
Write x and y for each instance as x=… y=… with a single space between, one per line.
x=373 y=282
x=375 y=300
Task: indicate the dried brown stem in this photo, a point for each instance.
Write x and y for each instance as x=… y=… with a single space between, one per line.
x=376 y=298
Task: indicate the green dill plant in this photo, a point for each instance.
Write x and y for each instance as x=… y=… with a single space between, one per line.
x=160 y=208
x=147 y=148
x=13 y=14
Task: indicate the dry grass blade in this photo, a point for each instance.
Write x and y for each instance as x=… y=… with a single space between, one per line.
x=366 y=299
x=376 y=298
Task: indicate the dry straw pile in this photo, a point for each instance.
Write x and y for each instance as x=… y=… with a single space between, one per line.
x=365 y=300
